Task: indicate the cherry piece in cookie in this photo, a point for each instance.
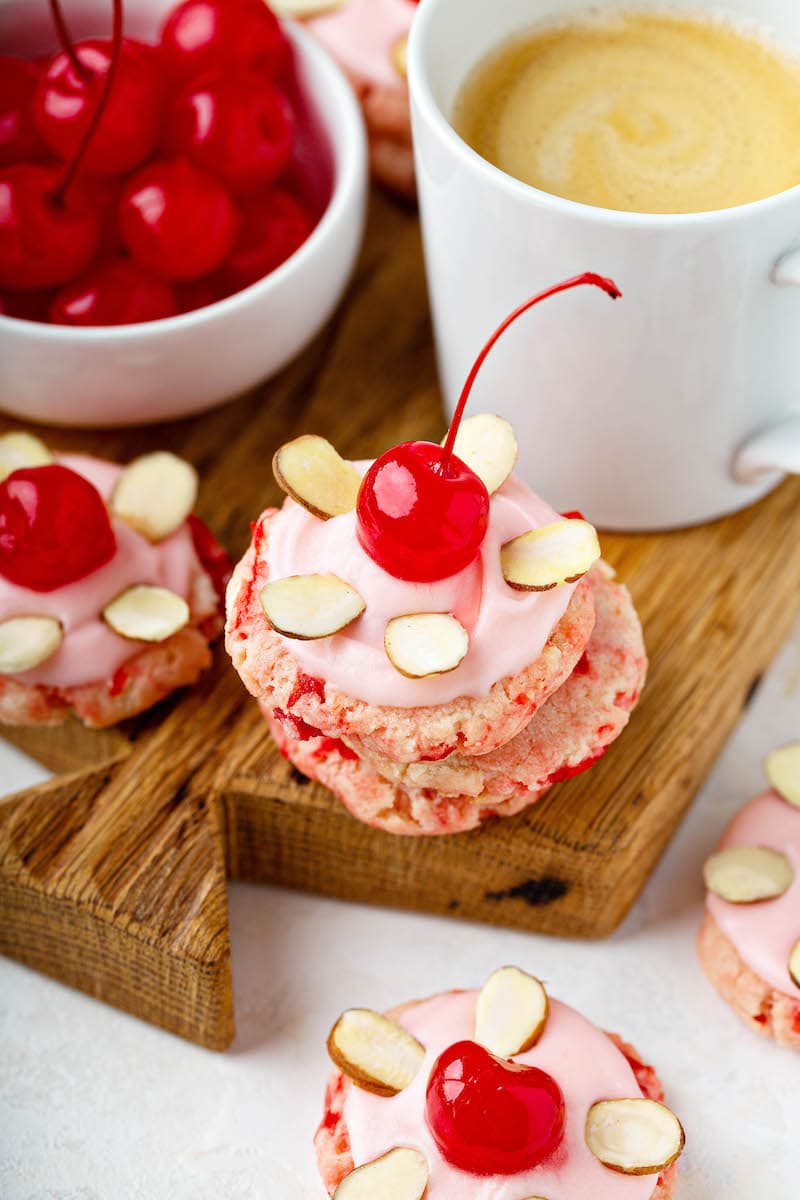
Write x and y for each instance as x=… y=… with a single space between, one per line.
x=422 y=512
x=46 y=238
x=116 y=292
x=273 y=227
x=19 y=139
x=240 y=129
x=54 y=528
x=223 y=35
x=66 y=102
x=492 y=1117
x=177 y=220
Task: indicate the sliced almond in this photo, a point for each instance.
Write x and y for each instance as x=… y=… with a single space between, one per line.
x=25 y=642
x=794 y=964
x=310 y=606
x=549 y=556
x=18 y=450
x=635 y=1137
x=488 y=445
x=402 y=1174
x=374 y=1051
x=783 y=772
x=511 y=1012
x=313 y=473
x=297 y=10
x=155 y=494
x=147 y=614
x=747 y=874
x=424 y=644
x=400 y=56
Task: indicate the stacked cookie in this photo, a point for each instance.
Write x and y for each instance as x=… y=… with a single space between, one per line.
x=428 y=704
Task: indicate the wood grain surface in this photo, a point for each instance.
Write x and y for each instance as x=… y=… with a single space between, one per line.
x=112 y=876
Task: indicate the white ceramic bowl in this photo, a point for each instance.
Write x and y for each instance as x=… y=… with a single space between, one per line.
x=134 y=374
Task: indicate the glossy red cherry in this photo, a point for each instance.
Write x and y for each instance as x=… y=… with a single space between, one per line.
x=54 y=528
x=489 y=1116
x=177 y=220
x=239 y=129
x=223 y=35
x=45 y=239
x=422 y=513
x=417 y=522
x=115 y=292
x=273 y=227
x=19 y=138
x=66 y=102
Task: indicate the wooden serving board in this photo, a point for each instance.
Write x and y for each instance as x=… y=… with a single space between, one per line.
x=112 y=876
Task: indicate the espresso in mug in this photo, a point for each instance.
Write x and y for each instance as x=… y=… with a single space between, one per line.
x=640 y=112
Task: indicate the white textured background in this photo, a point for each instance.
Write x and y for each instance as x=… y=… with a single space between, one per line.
x=96 y=1106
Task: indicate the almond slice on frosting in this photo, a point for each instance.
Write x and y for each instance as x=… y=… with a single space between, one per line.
x=400 y=56
x=307 y=607
x=794 y=964
x=374 y=1051
x=19 y=449
x=634 y=1137
x=511 y=1012
x=549 y=556
x=747 y=874
x=402 y=1174
x=313 y=473
x=147 y=614
x=299 y=9
x=25 y=642
x=488 y=445
x=155 y=494
x=423 y=644
x=783 y=772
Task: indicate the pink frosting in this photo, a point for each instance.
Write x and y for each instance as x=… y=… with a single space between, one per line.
x=584 y=1062
x=361 y=34
x=765 y=933
x=91 y=651
x=507 y=628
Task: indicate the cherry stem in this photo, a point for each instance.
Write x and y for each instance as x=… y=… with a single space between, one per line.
x=588 y=277
x=102 y=104
x=65 y=39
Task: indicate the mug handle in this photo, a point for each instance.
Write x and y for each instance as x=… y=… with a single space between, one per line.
x=776 y=447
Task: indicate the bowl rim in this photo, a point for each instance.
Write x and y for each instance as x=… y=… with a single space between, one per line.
x=344 y=124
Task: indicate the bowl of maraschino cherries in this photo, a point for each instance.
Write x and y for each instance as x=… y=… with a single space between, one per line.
x=182 y=195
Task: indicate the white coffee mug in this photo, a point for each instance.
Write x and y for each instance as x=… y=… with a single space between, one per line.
x=672 y=406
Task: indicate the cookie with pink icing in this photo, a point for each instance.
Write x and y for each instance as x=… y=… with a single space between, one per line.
x=110 y=589
x=502 y=1094
x=749 y=942
x=368 y=39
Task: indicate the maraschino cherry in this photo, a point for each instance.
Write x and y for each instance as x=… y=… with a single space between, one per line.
x=68 y=97
x=273 y=227
x=489 y=1116
x=115 y=292
x=422 y=514
x=54 y=528
x=239 y=129
x=45 y=238
x=177 y=220
x=19 y=139
x=223 y=35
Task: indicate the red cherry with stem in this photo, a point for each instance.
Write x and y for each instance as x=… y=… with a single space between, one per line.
x=19 y=139
x=489 y=1116
x=66 y=101
x=422 y=513
x=44 y=241
x=223 y=35
x=54 y=528
x=115 y=292
x=240 y=129
x=273 y=227
x=177 y=220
